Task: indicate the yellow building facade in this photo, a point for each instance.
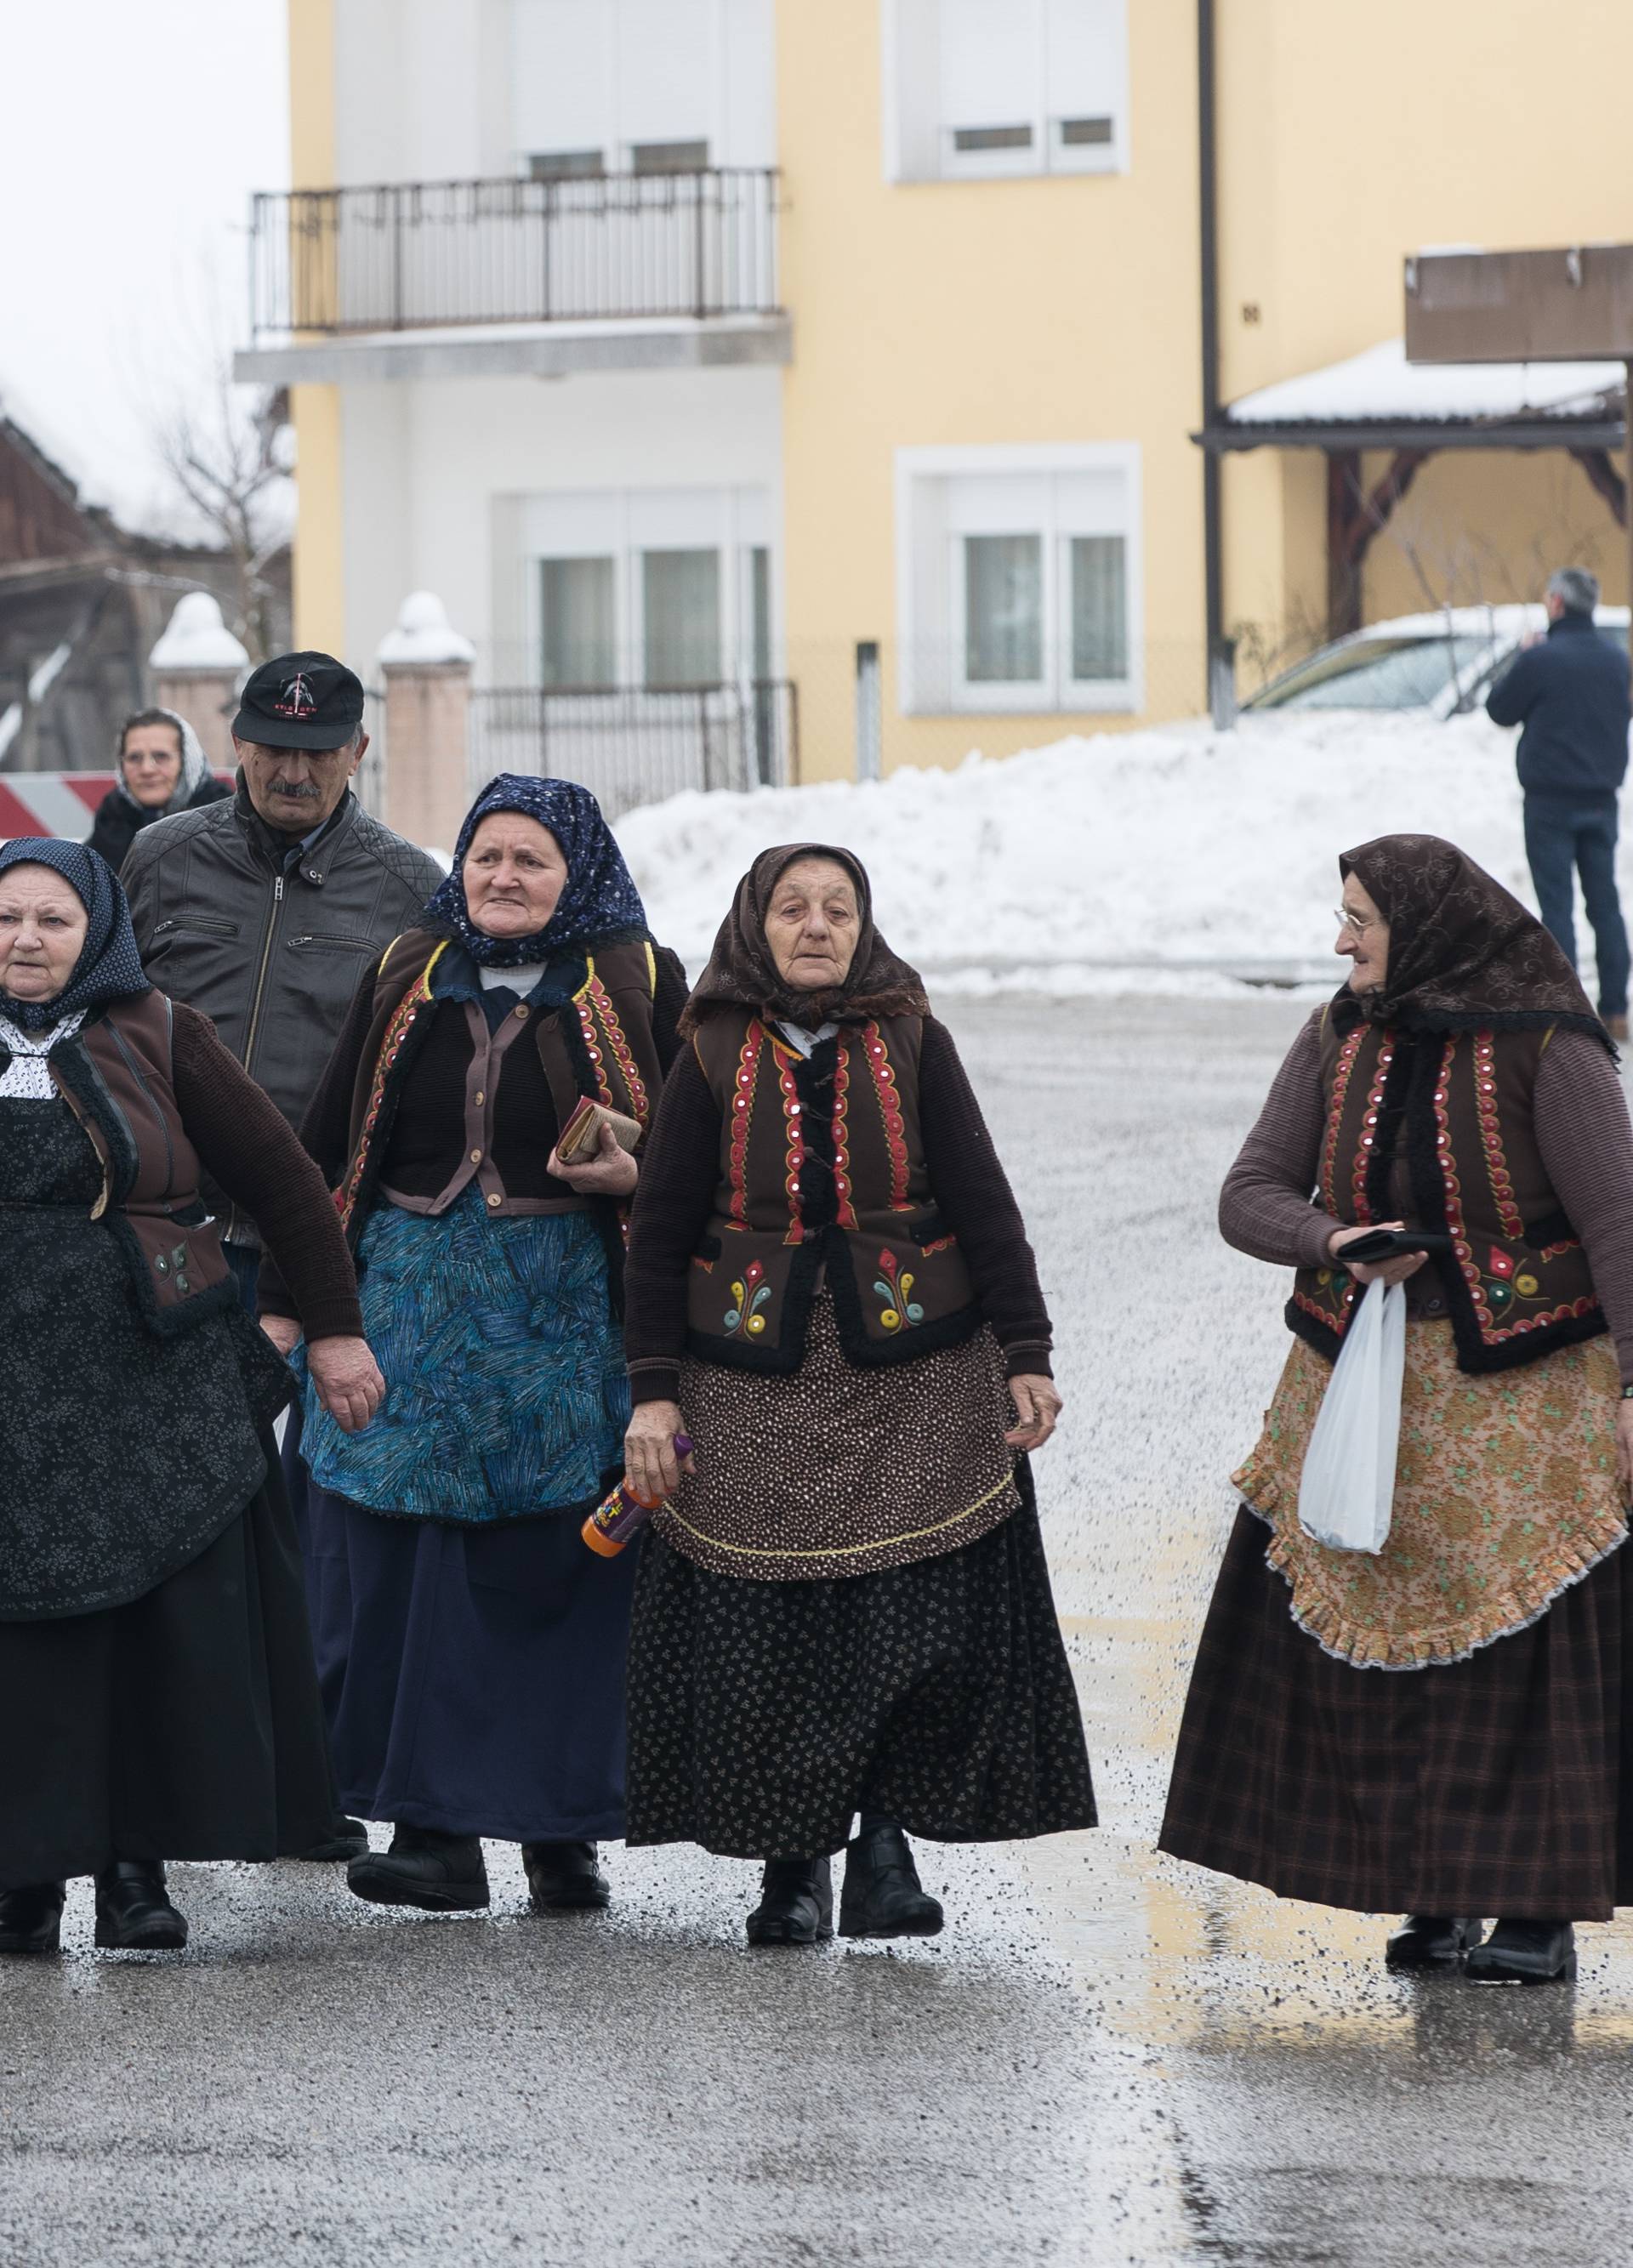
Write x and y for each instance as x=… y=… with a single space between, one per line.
x=978 y=487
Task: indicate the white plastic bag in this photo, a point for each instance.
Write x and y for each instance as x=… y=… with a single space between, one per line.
x=1346 y=1492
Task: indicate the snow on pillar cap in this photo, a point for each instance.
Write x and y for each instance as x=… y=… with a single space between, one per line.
x=423 y=637
x=197 y=638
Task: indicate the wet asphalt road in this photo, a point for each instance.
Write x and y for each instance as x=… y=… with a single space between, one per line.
x=1107 y=2058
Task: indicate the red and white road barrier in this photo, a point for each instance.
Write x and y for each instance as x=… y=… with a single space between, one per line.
x=51 y=803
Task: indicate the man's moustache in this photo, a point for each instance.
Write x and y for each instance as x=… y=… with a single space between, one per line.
x=305 y=790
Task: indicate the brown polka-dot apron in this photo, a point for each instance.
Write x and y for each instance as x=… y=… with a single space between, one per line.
x=836 y=1470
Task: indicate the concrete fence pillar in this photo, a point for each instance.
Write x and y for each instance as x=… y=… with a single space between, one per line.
x=198 y=668
x=427 y=665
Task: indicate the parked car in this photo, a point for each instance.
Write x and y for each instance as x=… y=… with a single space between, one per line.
x=1443 y=664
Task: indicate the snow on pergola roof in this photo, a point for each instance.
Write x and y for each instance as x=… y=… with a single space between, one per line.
x=1380 y=387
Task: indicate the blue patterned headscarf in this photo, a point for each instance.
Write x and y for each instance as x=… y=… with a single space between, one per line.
x=599 y=902
x=110 y=967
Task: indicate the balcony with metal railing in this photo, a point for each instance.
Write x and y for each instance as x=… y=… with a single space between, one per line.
x=639 y=270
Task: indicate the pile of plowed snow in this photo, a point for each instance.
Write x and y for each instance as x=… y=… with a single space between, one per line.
x=1126 y=858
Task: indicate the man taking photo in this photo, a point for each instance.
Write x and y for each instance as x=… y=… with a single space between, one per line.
x=1570 y=692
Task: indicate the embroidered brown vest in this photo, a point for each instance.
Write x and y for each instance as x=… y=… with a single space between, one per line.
x=822 y=1165
x=604 y=1049
x=1458 y=1107
x=116 y=1078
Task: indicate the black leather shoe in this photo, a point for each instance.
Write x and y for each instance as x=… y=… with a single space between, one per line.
x=883 y=1896
x=1525 y=1953
x=133 y=1909
x=1431 y=1941
x=564 y=1877
x=349 y=1840
x=797 y=1903
x=31 y=1919
x=440 y=1873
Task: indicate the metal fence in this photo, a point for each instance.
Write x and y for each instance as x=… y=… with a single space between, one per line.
x=637 y=745
x=416 y=255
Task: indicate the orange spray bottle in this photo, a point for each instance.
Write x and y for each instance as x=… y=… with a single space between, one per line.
x=620 y=1518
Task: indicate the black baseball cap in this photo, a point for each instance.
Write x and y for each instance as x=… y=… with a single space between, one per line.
x=300 y=701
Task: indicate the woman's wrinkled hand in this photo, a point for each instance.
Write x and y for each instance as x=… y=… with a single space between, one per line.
x=348 y=1380
x=650 y=1464
x=284 y=1331
x=1380 y=1271
x=1624 y=1449
x=1037 y=1404
x=611 y=1173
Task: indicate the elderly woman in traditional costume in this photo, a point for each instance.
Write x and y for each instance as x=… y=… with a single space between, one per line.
x=156 y=1673
x=471 y=1649
x=162 y=769
x=1436 y=1729
x=844 y=1611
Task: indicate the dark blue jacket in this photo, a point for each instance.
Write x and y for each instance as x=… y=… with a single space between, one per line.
x=1571 y=694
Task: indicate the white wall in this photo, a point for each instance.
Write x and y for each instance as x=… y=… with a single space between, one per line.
x=421 y=90
x=450 y=89
x=436 y=475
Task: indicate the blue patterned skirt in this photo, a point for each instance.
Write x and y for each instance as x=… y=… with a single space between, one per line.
x=505 y=1392
x=471 y=1651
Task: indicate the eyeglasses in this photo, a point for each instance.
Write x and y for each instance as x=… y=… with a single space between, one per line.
x=1357 y=925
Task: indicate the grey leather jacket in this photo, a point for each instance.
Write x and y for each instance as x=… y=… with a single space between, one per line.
x=270 y=943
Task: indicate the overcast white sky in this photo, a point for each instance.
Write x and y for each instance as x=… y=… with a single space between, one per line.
x=134 y=133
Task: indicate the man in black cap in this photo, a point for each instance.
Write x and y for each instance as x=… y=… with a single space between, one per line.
x=266 y=911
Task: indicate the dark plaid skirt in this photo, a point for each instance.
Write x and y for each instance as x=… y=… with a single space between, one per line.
x=1494 y=1785
x=763 y=1716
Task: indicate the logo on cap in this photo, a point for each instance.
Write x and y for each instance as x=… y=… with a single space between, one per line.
x=298 y=699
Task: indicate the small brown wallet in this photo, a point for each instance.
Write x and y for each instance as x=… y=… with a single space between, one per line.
x=580 y=1140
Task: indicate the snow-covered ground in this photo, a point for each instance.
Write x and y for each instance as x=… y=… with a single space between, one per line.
x=1153 y=860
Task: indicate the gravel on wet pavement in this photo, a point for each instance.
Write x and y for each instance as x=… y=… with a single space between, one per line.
x=1108 y=2057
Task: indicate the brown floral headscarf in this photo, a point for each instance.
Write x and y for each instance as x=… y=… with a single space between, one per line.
x=1464 y=953
x=743 y=973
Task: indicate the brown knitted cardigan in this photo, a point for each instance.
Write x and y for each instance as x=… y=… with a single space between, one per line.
x=247 y=1147
x=1265 y=1207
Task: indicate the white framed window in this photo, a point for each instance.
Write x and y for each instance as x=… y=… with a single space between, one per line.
x=975 y=89
x=1019 y=578
x=643 y=86
x=664 y=589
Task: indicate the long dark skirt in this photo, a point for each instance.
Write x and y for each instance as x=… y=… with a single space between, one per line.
x=1493 y=1785
x=473 y=1677
x=185 y=1725
x=764 y=1716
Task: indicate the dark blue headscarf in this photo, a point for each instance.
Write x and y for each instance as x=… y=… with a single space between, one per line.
x=600 y=900
x=110 y=967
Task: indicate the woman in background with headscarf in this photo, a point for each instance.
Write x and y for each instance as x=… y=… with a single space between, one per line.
x=156 y=1675
x=1437 y=1729
x=162 y=769
x=844 y=1608
x=471 y=1649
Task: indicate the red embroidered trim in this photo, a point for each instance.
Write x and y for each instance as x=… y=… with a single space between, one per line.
x=1454 y=1196
x=1334 y=1117
x=841 y=1131
x=586 y=1024
x=1490 y=1331
x=890 y=1112
x=742 y=1114
x=791 y=1113
x=1374 y=1104
x=390 y=1048
x=601 y=1002
x=1491 y=1135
